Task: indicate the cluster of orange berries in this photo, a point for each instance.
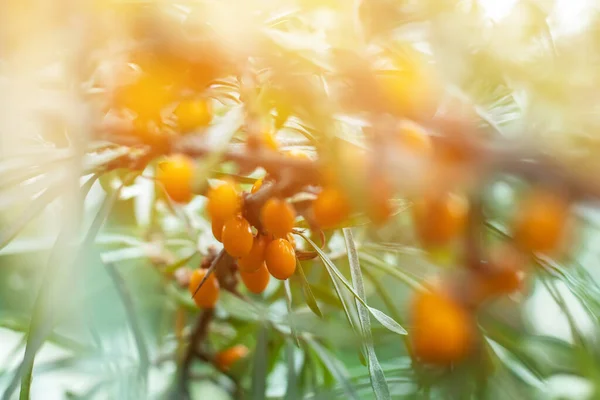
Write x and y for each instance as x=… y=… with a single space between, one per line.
x=258 y=255
x=444 y=327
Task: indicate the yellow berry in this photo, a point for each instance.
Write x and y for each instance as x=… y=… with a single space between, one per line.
x=256 y=281
x=226 y=358
x=253 y=260
x=331 y=207
x=208 y=294
x=277 y=217
x=223 y=201
x=192 y=114
x=280 y=259
x=237 y=236
x=175 y=175
x=443 y=331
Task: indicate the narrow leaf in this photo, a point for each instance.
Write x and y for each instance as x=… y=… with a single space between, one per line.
x=288 y=302
x=378 y=382
x=307 y=291
x=259 y=370
x=385 y=320
x=333 y=367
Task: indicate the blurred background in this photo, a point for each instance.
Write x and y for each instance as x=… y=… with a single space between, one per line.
x=525 y=70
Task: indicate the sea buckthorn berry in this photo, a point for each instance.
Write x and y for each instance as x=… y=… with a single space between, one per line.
x=379 y=207
x=254 y=260
x=256 y=281
x=277 y=217
x=280 y=259
x=192 y=114
x=217 y=228
x=331 y=207
x=226 y=358
x=237 y=236
x=412 y=137
x=439 y=217
x=175 y=174
x=443 y=331
x=223 y=201
x=504 y=274
x=541 y=221
x=257 y=184
x=208 y=294
x=145 y=97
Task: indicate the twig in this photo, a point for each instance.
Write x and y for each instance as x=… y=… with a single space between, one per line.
x=198 y=335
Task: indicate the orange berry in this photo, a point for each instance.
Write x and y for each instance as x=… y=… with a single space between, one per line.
x=192 y=114
x=257 y=184
x=146 y=96
x=217 y=228
x=380 y=207
x=443 y=331
x=175 y=174
x=208 y=294
x=280 y=259
x=331 y=207
x=253 y=260
x=409 y=92
x=223 y=201
x=237 y=236
x=504 y=274
x=226 y=358
x=541 y=221
x=277 y=217
x=439 y=217
x=256 y=281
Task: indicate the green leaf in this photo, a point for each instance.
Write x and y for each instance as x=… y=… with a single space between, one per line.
x=291 y=391
x=132 y=318
x=259 y=370
x=380 y=316
x=333 y=367
x=288 y=303
x=307 y=291
x=378 y=382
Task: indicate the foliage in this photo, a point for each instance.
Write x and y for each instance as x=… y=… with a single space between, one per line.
x=307 y=98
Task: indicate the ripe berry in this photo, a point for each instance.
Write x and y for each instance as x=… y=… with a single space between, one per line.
x=541 y=221
x=443 y=331
x=331 y=207
x=192 y=114
x=255 y=259
x=439 y=217
x=145 y=97
x=379 y=206
x=208 y=294
x=175 y=174
x=226 y=358
x=217 y=228
x=237 y=236
x=277 y=217
x=280 y=259
x=257 y=184
x=256 y=281
x=503 y=274
x=223 y=201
